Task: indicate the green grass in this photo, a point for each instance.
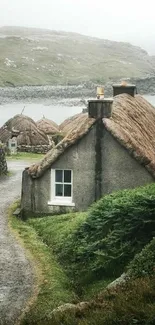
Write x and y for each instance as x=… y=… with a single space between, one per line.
x=96 y=247
x=78 y=254
x=76 y=60
x=25 y=156
x=132 y=303
x=55 y=232
x=54 y=288
x=57 y=229
x=116 y=228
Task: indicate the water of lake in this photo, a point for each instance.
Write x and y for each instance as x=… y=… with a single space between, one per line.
x=56 y=111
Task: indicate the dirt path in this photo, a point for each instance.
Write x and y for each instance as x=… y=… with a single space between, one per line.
x=15 y=271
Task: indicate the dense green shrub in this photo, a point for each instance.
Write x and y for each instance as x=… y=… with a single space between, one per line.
x=117 y=227
x=143 y=263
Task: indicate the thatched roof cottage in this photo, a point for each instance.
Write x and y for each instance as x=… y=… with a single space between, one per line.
x=47 y=126
x=112 y=147
x=51 y=129
x=25 y=130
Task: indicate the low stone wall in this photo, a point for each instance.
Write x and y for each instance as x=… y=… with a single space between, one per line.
x=34 y=149
x=3 y=164
x=144 y=85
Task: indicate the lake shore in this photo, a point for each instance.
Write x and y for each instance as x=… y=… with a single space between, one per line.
x=145 y=86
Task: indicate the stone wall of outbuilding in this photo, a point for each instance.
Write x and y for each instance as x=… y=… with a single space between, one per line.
x=34 y=149
x=3 y=163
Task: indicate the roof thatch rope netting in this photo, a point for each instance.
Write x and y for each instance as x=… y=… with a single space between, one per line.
x=132 y=123
x=29 y=133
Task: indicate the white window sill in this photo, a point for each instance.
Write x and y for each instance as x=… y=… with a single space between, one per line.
x=61 y=203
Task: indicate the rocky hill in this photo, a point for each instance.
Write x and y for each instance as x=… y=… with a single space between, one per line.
x=31 y=56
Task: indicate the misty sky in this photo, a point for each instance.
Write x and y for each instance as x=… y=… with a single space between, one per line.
x=132 y=21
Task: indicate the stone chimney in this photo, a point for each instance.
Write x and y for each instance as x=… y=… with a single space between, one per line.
x=100 y=108
x=124 y=88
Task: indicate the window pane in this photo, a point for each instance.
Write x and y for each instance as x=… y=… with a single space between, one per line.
x=58 y=176
x=58 y=190
x=67 y=176
x=67 y=190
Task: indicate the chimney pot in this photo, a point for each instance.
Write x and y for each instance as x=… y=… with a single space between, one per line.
x=124 y=88
x=100 y=93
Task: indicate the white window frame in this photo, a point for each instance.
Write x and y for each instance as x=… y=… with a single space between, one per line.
x=60 y=200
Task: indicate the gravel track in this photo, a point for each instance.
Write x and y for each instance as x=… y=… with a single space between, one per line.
x=16 y=277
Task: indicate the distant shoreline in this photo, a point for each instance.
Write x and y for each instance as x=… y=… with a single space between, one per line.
x=145 y=86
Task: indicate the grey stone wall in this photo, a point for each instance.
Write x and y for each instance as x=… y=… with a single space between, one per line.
x=81 y=159
x=144 y=85
x=3 y=164
x=34 y=149
x=119 y=169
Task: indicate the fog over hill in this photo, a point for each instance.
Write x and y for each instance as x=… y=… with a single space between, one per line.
x=31 y=56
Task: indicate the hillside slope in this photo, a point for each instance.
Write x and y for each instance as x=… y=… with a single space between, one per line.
x=37 y=57
x=81 y=253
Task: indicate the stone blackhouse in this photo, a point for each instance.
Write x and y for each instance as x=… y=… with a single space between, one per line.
x=111 y=148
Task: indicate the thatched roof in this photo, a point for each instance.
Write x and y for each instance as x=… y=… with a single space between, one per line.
x=67 y=125
x=48 y=126
x=71 y=138
x=27 y=130
x=132 y=123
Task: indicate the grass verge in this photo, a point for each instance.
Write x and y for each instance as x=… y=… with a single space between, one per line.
x=25 y=156
x=56 y=232
x=54 y=288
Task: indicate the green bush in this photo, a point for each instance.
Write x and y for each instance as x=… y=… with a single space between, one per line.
x=143 y=263
x=117 y=227
x=115 y=235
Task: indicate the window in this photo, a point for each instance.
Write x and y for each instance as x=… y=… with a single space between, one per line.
x=63 y=183
x=61 y=187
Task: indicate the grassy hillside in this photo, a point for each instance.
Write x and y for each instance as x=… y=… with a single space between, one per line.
x=100 y=247
x=38 y=57
x=78 y=254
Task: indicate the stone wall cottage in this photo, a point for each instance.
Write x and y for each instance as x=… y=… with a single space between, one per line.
x=28 y=136
x=112 y=147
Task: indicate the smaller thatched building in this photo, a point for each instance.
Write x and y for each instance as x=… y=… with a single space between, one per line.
x=29 y=136
x=51 y=129
x=48 y=126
